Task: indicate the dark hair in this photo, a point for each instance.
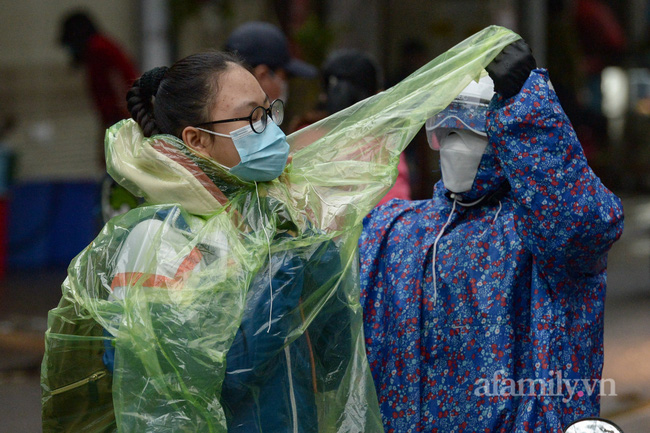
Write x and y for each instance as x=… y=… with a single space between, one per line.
x=166 y=100
x=76 y=28
x=349 y=75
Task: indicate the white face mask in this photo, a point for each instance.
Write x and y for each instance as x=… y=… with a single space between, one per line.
x=460 y=155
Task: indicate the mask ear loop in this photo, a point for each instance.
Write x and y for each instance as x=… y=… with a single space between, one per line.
x=435 y=247
x=268 y=243
x=218 y=134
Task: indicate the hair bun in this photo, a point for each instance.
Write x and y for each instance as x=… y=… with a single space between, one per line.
x=150 y=80
x=139 y=99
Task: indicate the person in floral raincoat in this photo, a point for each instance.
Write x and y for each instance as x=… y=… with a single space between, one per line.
x=483 y=306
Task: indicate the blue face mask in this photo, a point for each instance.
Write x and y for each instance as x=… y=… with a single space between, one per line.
x=263 y=156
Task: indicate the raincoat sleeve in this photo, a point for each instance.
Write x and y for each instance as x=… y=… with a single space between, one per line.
x=330 y=333
x=264 y=326
x=566 y=216
x=343 y=165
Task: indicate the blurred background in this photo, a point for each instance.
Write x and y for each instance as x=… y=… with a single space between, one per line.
x=51 y=132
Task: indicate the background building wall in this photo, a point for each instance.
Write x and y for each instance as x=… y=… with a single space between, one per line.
x=51 y=212
x=56 y=132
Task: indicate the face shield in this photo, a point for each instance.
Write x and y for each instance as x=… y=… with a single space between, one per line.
x=459 y=133
x=466 y=112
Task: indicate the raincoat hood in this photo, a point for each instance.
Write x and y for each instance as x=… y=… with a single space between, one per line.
x=218 y=283
x=162 y=169
x=366 y=137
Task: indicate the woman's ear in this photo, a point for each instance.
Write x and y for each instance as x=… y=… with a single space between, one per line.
x=194 y=139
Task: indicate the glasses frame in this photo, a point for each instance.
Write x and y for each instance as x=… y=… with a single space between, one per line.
x=268 y=112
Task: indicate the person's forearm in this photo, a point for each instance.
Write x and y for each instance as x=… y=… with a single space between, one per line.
x=565 y=214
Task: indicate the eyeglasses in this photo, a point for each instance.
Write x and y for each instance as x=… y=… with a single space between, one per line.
x=259 y=117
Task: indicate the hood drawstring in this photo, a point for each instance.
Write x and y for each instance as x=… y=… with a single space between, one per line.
x=493 y=219
x=497 y=214
x=442 y=230
x=435 y=247
x=455 y=198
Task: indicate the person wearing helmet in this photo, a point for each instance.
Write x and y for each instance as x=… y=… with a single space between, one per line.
x=483 y=306
x=348 y=76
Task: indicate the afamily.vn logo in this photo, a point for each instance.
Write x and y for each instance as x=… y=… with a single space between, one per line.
x=555 y=386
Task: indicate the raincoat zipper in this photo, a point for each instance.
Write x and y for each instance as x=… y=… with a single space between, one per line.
x=92 y=378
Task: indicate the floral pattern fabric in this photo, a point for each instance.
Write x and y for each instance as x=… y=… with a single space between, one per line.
x=510 y=336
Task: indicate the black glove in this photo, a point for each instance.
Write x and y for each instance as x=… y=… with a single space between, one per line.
x=511 y=67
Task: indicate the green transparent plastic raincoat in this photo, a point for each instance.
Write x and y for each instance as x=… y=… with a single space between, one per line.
x=215 y=271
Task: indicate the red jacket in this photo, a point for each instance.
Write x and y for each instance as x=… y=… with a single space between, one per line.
x=110 y=74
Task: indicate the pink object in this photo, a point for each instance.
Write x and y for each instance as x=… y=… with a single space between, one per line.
x=402 y=187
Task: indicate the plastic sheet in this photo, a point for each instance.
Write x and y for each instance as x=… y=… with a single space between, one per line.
x=233 y=305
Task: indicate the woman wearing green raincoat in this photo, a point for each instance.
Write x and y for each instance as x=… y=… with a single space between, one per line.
x=230 y=301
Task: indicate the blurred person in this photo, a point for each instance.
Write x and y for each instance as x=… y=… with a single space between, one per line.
x=110 y=72
x=601 y=35
x=565 y=62
x=413 y=54
x=265 y=48
x=603 y=43
x=585 y=36
x=348 y=76
x=484 y=305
